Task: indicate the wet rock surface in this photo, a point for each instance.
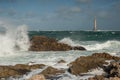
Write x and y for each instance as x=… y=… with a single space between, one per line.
x=105 y=56
x=83 y=64
x=37 y=77
x=101 y=77
x=50 y=71
x=62 y=61
x=42 y=43
x=7 y=71
x=112 y=72
x=97 y=77
x=28 y=67
x=17 y=70
x=78 y=48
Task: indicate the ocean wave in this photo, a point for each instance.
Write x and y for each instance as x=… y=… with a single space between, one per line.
x=69 y=41
x=104 y=45
x=92 y=45
x=14 y=40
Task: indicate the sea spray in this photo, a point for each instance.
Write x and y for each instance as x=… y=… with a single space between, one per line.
x=113 y=45
x=21 y=38
x=105 y=45
x=13 y=40
x=68 y=41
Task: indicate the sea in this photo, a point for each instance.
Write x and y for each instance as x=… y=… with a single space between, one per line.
x=93 y=41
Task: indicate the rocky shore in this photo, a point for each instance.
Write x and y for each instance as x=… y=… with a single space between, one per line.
x=17 y=70
x=81 y=65
x=42 y=43
x=112 y=72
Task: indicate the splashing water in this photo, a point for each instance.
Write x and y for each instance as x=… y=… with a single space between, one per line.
x=14 y=40
x=68 y=41
x=110 y=45
x=17 y=41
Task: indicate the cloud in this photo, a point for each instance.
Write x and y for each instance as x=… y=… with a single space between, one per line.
x=30 y=14
x=102 y=14
x=68 y=12
x=1 y=11
x=9 y=12
x=7 y=1
x=75 y=9
x=4 y=23
x=82 y=1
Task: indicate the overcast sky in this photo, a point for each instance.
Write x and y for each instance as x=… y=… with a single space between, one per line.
x=61 y=14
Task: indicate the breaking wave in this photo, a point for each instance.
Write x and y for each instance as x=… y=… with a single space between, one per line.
x=92 y=45
x=12 y=40
x=104 y=45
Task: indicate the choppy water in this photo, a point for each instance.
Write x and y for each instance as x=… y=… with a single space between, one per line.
x=105 y=41
x=100 y=41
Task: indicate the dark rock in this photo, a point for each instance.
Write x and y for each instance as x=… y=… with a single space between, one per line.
x=83 y=64
x=42 y=43
x=113 y=70
x=114 y=78
x=50 y=71
x=28 y=67
x=61 y=61
x=17 y=70
x=79 y=48
x=97 y=77
x=6 y=71
x=106 y=56
x=101 y=77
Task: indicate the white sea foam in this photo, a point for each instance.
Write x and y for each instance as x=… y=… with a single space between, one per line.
x=98 y=71
x=68 y=41
x=105 y=45
x=93 y=45
x=14 y=40
x=17 y=40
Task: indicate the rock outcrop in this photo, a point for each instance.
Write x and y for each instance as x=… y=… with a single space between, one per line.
x=28 y=67
x=78 y=48
x=50 y=71
x=17 y=70
x=37 y=77
x=61 y=61
x=112 y=72
x=7 y=71
x=42 y=43
x=105 y=56
x=97 y=77
x=83 y=64
x=101 y=77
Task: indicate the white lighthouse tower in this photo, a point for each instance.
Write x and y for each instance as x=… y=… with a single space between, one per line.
x=94 y=27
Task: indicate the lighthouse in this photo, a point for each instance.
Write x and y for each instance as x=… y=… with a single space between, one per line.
x=94 y=26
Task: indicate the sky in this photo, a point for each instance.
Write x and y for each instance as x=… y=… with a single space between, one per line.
x=61 y=14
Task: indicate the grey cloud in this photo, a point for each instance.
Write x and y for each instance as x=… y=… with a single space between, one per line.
x=9 y=12
x=110 y=18
x=67 y=12
x=30 y=14
x=82 y=1
x=7 y=1
x=1 y=11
